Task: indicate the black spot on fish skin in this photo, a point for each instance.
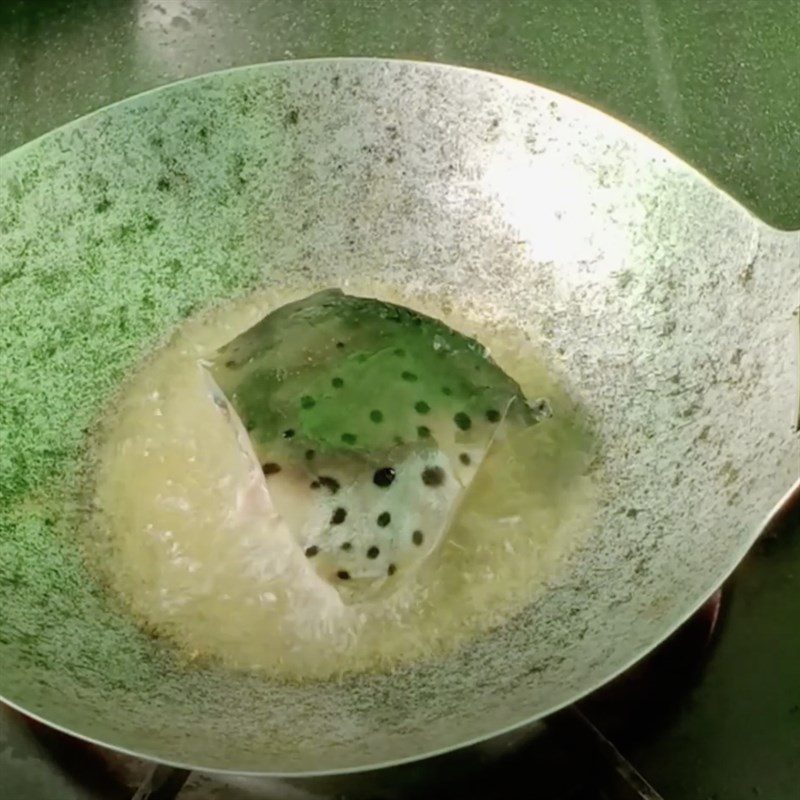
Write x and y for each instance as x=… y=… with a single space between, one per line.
x=384 y=477
x=463 y=421
x=331 y=484
x=433 y=476
x=339 y=516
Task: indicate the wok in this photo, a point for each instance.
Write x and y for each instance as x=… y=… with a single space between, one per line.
x=664 y=306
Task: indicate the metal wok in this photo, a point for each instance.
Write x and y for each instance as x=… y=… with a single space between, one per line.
x=665 y=307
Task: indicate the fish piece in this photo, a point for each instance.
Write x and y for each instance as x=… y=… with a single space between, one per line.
x=368 y=421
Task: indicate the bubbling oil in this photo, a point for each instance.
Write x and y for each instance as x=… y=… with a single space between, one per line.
x=219 y=586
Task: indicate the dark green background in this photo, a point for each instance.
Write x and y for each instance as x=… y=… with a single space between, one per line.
x=716 y=81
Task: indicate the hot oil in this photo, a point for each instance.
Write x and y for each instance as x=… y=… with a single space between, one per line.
x=223 y=586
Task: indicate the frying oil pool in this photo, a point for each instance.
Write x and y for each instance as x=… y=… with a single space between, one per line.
x=167 y=540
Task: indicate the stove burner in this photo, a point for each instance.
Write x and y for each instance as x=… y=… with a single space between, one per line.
x=163 y=783
x=643 y=699
x=635 y=705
